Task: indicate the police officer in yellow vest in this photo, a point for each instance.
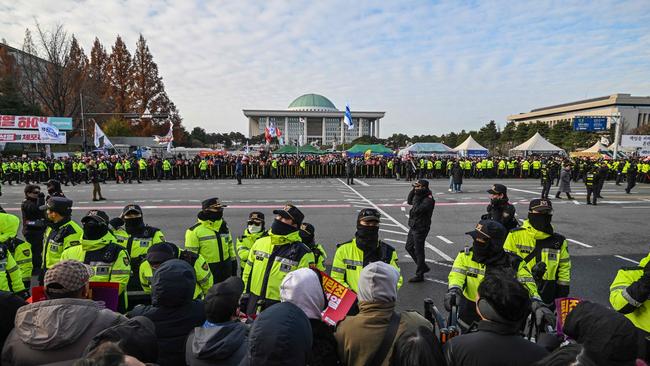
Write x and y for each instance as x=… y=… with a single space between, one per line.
x=545 y=252
x=19 y=249
x=307 y=232
x=61 y=233
x=365 y=248
x=629 y=294
x=137 y=238
x=271 y=258
x=211 y=238
x=255 y=229
x=162 y=252
x=10 y=275
x=142 y=170
x=486 y=256
x=99 y=250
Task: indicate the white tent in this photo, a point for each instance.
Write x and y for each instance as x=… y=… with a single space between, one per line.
x=624 y=149
x=471 y=148
x=595 y=150
x=536 y=145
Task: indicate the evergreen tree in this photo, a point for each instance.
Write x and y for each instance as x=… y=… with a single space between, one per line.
x=120 y=78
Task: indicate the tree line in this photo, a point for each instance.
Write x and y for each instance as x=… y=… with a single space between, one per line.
x=52 y=71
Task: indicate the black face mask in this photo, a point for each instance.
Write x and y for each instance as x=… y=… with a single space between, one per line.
x=280 y=228
x=210 y=215
x=541 y=222
x=94 y=230
x=486 y=253
x=498 y=202
x=134 y=225
x=367 y=237
x=420 y=192
x=307 y=239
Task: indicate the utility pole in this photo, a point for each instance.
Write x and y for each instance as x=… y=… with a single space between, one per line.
x=83 y=122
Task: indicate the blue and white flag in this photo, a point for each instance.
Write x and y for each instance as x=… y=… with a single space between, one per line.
x=100 y=139
x=47 y=131
x=348 y=117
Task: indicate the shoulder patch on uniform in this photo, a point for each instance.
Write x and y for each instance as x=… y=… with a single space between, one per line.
x=27 y=252
x=205 y=266
x=126 y=260
x=150 y=231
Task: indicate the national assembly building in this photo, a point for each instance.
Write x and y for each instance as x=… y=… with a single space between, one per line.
x=315 y=117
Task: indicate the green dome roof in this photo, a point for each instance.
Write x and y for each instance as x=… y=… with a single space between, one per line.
x=312 y=102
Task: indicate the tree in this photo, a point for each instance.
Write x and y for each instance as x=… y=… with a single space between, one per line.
x=96 y=96
x=117 y=127
x=397 y=140
x=199 y=134
x=488 y=135
x=120 y=81
x=11 y=100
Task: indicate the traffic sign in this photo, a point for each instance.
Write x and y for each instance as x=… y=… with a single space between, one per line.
x=589 y=123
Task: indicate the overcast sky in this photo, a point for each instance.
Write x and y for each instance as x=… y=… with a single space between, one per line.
x=432 y=66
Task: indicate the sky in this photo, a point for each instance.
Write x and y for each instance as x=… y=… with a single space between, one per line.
x=432 y=66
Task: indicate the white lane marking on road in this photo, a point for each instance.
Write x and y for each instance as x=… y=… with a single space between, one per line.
x=523 y=190
x=432 y=261
x=388 y=224
x=580 y=243
x=394 y=240
x=438 y=251
x=393 y=232
x=403 y=209
x=626 y=259
x=576 y=202
x=360 y=206
x=362 y=182
x=636 y=207
x=444 y=239
x=436 y=281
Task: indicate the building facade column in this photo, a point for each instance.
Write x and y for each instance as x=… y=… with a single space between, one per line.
x=377 y=127
x=304 y=140
x=285 y=133
x=360 y=127
x=323 y=133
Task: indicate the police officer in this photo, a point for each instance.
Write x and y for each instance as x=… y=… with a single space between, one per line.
x=136 y=237
x=422 y=204
x=546 y=179
x=486 y=256
x=10 y=275
x=161 y=252
x=254 y=230
x=364 y=248
x=61 y=233
x=34 y=222
x=629 y=294
x=591 y=179
x=545 y=252
x=99 y=250
x=631 y=177
x=272 y=257
x=307 y=232
x=349 y=171
x=19 y=249
x=211 y=238
x=500 y=209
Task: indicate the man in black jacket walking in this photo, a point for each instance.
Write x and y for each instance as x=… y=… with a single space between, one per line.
x=422 y=202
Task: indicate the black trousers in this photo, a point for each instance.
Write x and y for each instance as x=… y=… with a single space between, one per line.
x=591 y=191
x=630 y=184
x=350 y=179
x=35 y=238
x=415 y=247
x=546 y=188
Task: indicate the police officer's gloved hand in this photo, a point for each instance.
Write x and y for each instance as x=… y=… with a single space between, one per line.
x=452 y=298
x=116 y=223
x=543 y=315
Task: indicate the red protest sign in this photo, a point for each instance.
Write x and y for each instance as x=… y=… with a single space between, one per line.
x=339 y=300
x=563 y=307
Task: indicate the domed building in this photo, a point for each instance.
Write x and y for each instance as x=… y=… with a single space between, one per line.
x=317 y=118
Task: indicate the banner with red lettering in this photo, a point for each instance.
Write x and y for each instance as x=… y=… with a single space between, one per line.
x=339 y=300
x=31 y=122
x=29 y=137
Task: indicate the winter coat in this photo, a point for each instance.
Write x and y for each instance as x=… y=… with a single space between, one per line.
x=565 y=181
x=280 y=336
x=9 y=305
x=55 y=330
x=33 y=216
x=224 y=344
x=172 y=309
x=457 y=174
x=136 y=337
x=421 y=210
x=493 y=344
x=359 y=336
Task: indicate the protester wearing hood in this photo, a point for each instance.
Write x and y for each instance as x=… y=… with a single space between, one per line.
x=607 y=337
x=473 y=264
x=545 y=252
x=365 y=248
x=211 y=238
x=172 y=309
x=272 y=257
x=137 y=237
x=367 y=338
x=99 y=249
x=255 y=229
x=303 y=288
x=61 y=233
x=223 y=339
x=307 y=232
x=161 y=253
x=59 y=328
x=499 y=208
x=280 y=336
x=503 y=305
x=136 y=337
x=34 y=222
x=422 y=202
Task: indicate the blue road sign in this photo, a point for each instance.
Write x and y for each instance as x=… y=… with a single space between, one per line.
x=589 y=123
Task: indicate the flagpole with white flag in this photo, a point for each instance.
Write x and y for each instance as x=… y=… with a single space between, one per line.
x=100 y=134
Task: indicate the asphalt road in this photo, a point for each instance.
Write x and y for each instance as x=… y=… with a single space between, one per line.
x=601 y=239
